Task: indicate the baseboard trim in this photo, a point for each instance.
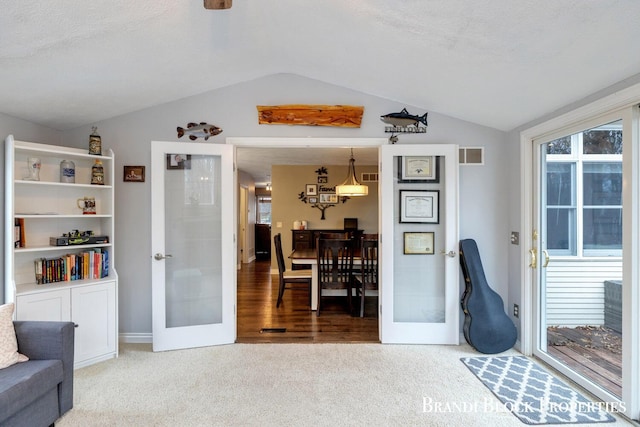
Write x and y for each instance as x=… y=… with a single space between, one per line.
x=136 y=338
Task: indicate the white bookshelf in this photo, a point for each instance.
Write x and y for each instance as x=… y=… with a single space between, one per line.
x=49 y=209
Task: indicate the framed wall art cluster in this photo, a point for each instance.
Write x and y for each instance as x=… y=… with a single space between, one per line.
x=420 y=204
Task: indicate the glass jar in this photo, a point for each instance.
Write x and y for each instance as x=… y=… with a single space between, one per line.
x=97 y=173
x=67 y=171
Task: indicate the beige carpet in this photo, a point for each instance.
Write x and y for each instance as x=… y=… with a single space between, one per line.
x=287 y=385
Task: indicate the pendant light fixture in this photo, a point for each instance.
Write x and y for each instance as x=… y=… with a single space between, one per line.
x=351 y=187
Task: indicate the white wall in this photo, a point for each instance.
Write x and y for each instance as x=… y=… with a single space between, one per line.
x=22 y=130
x=483 y=205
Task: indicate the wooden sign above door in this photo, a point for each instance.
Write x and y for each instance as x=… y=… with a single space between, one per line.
x=311 y=115
x=217 y=4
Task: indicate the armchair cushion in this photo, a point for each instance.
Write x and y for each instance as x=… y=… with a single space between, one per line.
x=8 y=343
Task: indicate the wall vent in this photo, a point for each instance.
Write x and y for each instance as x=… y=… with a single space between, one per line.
x=471 y=155
x=369 y=177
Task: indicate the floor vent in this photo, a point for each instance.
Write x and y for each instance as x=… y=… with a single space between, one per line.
x=273 y=330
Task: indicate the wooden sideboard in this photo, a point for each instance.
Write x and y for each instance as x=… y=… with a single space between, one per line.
x=306 y=239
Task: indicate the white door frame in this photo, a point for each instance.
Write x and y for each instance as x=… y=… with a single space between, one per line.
x=621 y=100
x=270 y=142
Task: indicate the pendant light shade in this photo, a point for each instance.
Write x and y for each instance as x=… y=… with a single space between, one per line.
x=351 y=187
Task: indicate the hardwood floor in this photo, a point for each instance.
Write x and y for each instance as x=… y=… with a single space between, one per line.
x=259 y=321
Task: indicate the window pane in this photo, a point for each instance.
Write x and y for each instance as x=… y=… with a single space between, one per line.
x=560 y=184
x=602 y=228
x=560 y=146
x=560 y=227
x=264 y=210
x=605 y=139
x=602 y=184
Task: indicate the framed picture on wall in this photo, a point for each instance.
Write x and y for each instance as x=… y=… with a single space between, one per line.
x=134 y=174
x=419 y=169
x=312 y=190
x=178 y=161
x=419 y=206
x=419 y=243
x=328 y=198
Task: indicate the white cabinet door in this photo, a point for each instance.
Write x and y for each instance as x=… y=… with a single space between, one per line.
x=93 y=311
x=53 y=305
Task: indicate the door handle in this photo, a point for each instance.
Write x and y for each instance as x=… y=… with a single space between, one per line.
x=533 y=258
x=159 y=256
x=450 y=254
x=546 y=258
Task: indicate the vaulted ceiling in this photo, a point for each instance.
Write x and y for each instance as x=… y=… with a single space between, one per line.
x=499 y=63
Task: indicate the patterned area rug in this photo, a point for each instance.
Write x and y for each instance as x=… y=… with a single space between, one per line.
x=532 y=394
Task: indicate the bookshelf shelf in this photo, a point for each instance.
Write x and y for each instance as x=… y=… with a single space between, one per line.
x=35 y=211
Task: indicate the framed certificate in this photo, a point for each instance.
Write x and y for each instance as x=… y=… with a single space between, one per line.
x=419 y=169
x=419 y=206
x=419 y=243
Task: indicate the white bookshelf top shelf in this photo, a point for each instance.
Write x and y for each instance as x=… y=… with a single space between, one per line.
x=55 y=150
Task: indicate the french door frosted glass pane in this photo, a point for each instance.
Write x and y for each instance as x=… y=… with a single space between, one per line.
x=419 y=287
x=193 y=229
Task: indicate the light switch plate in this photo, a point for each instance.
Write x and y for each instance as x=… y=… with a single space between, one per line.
x=515 y=238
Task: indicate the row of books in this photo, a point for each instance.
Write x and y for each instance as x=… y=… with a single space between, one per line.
x=19 y=240
x=91 y=264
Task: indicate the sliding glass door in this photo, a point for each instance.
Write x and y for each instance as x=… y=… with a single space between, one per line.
x=578 y=254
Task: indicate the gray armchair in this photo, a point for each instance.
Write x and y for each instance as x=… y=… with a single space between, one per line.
x=39 y=391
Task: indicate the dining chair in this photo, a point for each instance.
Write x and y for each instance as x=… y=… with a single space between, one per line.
x=366 y=276
x=291 y=277
x=335 y=265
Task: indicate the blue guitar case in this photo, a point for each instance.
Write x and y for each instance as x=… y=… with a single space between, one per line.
x=487 y=328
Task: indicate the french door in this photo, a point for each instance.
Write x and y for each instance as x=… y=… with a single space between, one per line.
x=419 y=287
x=581 y=297
x=193 y=245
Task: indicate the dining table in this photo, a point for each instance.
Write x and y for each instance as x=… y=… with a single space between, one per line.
x=309 y=256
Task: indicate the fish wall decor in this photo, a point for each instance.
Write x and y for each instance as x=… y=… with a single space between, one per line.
x=403 y=118
x=202 y=130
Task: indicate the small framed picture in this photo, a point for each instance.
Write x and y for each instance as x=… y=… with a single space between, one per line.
x=419 y=169
x=323 y=179
x=328 y=198
x=134 y=174
x=313 y=200
x=312 y=190
x=178 y=161
x=419 y=206
x=419 y=243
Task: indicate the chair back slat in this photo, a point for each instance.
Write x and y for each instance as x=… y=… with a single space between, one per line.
x=335 y=263
x=369 y=263
x=277 y=241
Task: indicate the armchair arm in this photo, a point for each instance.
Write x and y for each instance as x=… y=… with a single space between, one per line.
x=50 y=340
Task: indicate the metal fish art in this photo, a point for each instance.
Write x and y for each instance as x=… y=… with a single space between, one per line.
x=403 y=118
x=202 y=130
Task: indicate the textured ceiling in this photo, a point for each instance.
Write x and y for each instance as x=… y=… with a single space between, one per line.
x=499 y=63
